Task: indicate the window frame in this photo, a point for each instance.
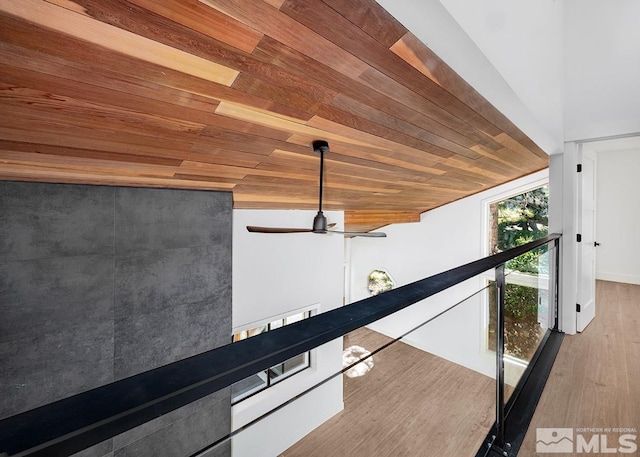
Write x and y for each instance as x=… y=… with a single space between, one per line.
x=270 y=376
x=486 y=251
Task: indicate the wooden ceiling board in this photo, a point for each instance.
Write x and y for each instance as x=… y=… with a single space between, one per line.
x=423 y=128
x=67 y=151
x=410 y=108
x=229 y=95
x=417 y=54
x=386 y=68
x=194 y=15
x=143 y=78
x=53 y=17
x=372 y=19
x=378 y=165
x=185 y=39
x=30 y=172
x=285 y=29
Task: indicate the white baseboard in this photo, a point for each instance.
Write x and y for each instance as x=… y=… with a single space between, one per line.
x=618 y=277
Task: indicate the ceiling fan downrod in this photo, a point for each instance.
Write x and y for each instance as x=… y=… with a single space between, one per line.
x=320 y=220
x=320 y=224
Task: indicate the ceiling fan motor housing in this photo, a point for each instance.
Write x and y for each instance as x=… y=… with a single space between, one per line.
x=320 y=223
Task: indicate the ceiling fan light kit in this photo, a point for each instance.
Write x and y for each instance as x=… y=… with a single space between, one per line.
x=320 y=220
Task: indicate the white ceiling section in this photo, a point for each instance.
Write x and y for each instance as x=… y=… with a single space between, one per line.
x=602 y=96
x=561 y=70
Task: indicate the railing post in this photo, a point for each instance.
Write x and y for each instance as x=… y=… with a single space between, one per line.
x=556 y=284
x=500 y=289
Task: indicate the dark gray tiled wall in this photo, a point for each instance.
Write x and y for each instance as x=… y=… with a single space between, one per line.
x=100 y=283
x=56 y=292
x=55 y=220
x=186 y=430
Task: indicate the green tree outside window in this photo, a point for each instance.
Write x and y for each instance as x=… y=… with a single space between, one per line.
x=513 y=222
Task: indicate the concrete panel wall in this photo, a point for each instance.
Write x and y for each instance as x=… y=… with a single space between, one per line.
x=101 y=283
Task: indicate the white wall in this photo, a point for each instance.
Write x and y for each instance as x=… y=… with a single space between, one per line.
x=445 y=237
x=617 y=216
x=274 y=275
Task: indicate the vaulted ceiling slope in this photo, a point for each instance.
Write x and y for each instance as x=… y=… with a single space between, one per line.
x=229 y=95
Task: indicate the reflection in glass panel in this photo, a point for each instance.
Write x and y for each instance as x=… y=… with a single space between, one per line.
x=257 y=330
x=295 y=318
x=240 y=336
x=276 y=324
x=242 y=389
x=379 y=281
x=524 y=324
x=526 y=308
x=289 y=367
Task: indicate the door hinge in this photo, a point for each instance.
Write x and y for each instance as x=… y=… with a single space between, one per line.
x=579 y=168
x=579 y=237
x=578 y=307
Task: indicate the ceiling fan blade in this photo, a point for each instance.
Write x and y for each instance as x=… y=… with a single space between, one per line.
x=362 y=234
x=255 y=229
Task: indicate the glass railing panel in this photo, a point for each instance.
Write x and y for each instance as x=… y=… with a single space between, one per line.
x=528 y=312
x=425 y=372
x=402 y=384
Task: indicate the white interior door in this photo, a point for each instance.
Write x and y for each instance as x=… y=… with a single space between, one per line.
x=586 y=248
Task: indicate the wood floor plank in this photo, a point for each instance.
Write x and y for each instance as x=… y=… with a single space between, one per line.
x=411 y=403
x=594 y=380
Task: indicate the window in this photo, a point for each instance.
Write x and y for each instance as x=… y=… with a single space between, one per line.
x=515 y=221
x=519 y=219
x=260 y=381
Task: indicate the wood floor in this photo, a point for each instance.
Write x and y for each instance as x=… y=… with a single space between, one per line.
x=595 y=381
x=415 y=404
x=410 y=404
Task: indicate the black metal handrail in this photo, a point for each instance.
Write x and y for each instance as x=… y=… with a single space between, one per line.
x=75 y=423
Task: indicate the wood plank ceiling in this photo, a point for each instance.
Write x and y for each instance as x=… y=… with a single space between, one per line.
x=228 y=95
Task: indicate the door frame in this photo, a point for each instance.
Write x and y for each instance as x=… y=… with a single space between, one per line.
x=586 y=293
x=564 y=179
x=563 y=218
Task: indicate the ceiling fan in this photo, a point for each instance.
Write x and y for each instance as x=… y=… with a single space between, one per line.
x=320 y=220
